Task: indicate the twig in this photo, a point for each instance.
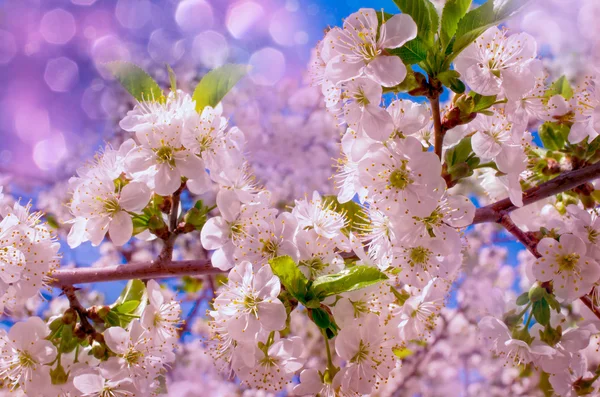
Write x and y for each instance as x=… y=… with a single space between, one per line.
x=531 y=243
x=437 y=125
x=86 y=327
x=562 y=183
x=136 y=270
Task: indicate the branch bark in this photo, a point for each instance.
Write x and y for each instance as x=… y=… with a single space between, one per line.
x=562 y=183
x=437 y=125
x=136 y=270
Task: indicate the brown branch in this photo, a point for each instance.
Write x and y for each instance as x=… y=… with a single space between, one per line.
x=437 y=125
x=589 y=302
x=562 y=183
x=136 y=270
x=74 y=303
x=530 y=242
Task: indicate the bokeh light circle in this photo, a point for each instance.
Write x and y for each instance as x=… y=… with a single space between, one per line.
x=48 y=154
x=164 y=47
x=61 y=74
x=268 y=66
x=194 y=15
x=57 y=26
x=242 y=17
x=133 y=14
x=210 y=48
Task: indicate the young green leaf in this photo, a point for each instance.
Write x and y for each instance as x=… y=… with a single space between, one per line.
x=523 y=299
x=127 y=307
x=424 y=14
x=216 y=84
x=137 y=82
x=134 y=290
x=172 y=78
x=351 y=279
x=413 y=52
x=561 y=87
x=553 y=135
x=290 y=276
x=453 y=12
x=477 y=21
x=482 y=102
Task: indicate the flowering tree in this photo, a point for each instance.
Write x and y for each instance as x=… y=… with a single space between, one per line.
x=391 y=287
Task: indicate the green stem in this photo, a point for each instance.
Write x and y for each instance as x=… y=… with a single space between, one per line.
x=331 y=369
x=528 y=320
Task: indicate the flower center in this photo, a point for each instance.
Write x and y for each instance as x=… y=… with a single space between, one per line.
x=593 y=234
x=132 y=357
x=567 y=263
x=111 y=206
x=419 y=256
x=400 y=177
x=315 y=266
x=270 y=248
x=166 y=154
x=362 y=354
x=26 y=360
x=361 y=98
x=251 y=303
x=205 y=141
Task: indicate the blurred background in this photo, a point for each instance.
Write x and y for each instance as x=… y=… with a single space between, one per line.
x=58 y=104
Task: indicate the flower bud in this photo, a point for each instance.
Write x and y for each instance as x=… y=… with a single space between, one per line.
x=98 y=351
x=58 y=375
x=536 y=293
x=70 y=316
x=195 y=217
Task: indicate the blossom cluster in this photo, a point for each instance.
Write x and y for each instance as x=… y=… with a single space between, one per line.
x=346 y=294
x=58 y=358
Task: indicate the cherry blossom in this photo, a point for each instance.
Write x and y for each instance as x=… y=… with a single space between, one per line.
x=357 y=49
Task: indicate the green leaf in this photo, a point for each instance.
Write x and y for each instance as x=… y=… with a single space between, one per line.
x=413 y=52
x=127 y=307
x=134 y=290
x=321 y=318
x=560 y=87
x=553 y=135
x=523 y=299
x=450 y=78
x=453 y=12
x=172 y=78
x=216 y=84
x=403 y=352
x=137 y=82
x=290 y=276
x=132 y=302
x=482 y=102
x=459 y=153
x=112 y=319
x=351 y=279
x=477 y=21
x=424 y=14
x=541 y=312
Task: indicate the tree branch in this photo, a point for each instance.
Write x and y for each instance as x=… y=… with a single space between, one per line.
x=437 y=125
x=74 y=303
x=530 y=243
x=136 y=270
x=562 y=183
